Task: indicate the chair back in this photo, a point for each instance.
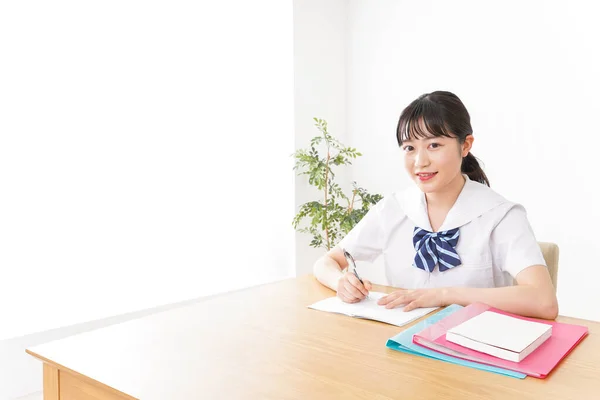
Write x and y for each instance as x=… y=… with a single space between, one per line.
x=550 y=253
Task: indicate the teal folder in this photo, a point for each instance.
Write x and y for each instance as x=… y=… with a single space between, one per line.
x=403 y=342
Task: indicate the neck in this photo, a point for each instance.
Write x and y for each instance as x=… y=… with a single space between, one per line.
x=446 y=198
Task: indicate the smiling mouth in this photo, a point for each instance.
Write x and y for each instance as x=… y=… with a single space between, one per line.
x=426 y=176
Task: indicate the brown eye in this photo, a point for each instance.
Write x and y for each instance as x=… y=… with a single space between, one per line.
x=407 y=148
x=435 y=145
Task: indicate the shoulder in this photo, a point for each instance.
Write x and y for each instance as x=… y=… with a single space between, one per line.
x=505 y=218
x=389 y=205
x=511 y=218
x=386 y=214
x=477 y=193
x=498 y=207
x=475 y=202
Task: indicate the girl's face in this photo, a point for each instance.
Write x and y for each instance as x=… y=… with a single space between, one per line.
x=434 y=162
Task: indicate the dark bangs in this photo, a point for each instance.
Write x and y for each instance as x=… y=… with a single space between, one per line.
x=421 y=119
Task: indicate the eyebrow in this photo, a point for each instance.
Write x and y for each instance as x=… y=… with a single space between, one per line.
x=426 y=138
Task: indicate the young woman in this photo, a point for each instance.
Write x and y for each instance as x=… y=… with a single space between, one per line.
x=450 y=238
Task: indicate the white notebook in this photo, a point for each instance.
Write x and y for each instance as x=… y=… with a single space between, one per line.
x=369 y=309
x=500 y=335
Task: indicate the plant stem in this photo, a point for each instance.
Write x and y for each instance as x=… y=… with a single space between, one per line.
x=351 y=205
x=325 y=214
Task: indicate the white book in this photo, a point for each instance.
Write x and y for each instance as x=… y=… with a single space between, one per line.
x=369 y=309
x=500 y=335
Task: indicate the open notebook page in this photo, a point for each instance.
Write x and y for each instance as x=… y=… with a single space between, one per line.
x=369 y=309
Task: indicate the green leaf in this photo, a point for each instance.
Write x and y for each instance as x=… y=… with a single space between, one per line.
x=329 y=223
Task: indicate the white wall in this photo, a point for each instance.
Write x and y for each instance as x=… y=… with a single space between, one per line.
x=141 y=142
x=528 y=74
x=144 y=156
x=320 y=41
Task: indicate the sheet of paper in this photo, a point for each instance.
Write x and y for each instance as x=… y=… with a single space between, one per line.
x=368 y=308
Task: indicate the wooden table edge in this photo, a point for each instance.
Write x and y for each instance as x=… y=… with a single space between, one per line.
x=52 y=380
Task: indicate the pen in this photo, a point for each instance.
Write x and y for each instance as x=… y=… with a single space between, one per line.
x=351 y=262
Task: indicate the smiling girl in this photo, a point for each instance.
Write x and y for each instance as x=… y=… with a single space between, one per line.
x=449 y=239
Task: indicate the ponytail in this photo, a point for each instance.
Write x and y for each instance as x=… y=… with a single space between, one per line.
x=471 y=167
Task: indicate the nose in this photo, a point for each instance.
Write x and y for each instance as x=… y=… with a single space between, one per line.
x=421 y=159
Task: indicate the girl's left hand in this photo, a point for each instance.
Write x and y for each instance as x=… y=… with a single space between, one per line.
x=434 y=297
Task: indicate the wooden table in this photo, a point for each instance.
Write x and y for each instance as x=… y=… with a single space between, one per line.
x=264 y=343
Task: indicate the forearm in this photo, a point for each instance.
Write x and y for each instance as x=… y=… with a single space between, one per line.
x=526 y=300
x=328 y=272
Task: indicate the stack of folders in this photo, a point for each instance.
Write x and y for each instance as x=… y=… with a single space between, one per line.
x=486 y=338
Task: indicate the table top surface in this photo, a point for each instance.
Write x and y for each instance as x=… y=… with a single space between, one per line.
x=263 y=342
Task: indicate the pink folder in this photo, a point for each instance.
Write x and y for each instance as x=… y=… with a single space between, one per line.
x=538 y=364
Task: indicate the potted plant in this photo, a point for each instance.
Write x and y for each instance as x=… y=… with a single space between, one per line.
x=331 y=217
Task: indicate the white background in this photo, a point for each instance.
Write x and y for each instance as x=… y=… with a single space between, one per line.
x=144 y=155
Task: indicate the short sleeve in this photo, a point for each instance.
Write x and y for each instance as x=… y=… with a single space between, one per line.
x=513 y=243
x=365 y=241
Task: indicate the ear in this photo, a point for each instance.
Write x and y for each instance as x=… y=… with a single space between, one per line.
x=467 y=145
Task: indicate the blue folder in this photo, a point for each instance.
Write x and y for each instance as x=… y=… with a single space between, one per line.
x=403 y=342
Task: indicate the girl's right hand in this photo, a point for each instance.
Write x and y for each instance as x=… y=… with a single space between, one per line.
x=350 y=290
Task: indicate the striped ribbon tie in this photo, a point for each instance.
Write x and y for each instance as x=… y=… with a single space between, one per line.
x=436 y=248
